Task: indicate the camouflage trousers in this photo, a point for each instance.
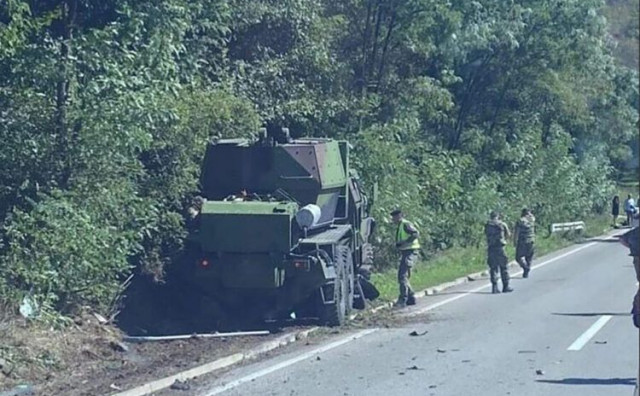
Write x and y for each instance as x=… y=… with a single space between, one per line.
x=497 y=260
x=407 y=260
x=524 y=254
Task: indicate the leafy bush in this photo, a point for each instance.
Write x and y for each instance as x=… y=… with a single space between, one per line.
x=67 y=251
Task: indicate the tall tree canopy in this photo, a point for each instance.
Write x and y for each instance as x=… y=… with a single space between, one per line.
x=454 y=107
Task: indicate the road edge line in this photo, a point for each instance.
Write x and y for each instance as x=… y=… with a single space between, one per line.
x=287 y=339
x=279 y=366
x=434 y=290
x=218 y=364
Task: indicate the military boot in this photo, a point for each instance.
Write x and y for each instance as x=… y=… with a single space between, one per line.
x=411 y=300
x=494 y=289
x=525 y=273
x=506 y=288
x=400 y=303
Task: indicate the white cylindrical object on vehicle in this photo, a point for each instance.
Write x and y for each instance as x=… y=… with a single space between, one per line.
x=308 y=216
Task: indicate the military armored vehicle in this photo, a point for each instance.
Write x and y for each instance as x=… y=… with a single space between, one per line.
x=283 y=227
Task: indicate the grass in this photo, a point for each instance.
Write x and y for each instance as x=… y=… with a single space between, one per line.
x=458 y=262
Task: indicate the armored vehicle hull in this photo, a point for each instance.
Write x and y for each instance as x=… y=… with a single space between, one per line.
x=283 y=227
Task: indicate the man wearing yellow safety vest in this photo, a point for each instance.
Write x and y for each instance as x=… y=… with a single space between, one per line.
x=409 y=245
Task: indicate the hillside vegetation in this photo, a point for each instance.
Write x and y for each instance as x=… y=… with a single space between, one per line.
x=623 y=17
x=454 y=107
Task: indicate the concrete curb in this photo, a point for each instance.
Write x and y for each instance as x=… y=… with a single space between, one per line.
x=287 y=339
x=433 y=290
x=218 y=364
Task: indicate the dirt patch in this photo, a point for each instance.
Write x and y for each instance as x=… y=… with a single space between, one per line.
x=40 y=356
x=147 y=362
x=88 y=358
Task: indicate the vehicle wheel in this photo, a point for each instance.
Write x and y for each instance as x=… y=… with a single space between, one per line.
x=341 y=289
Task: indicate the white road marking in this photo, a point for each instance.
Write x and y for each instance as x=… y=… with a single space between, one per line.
x=465 y=294
x=588 y=335
x=307 y=355
x=261 y=373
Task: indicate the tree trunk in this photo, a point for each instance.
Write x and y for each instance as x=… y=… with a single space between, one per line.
x=69 y=10
x=385 y=47
x=365 y=49
x=376 y=34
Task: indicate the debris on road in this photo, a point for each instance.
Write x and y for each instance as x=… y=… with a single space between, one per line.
x=318 y=358
x=180 y=385
x=601 y=342
x=416 y=334
x=115 y=387
x=119 y=346
x=101 y=319
x=539 y=372
x=526 y=351
x=414 y=368
x=441 y=350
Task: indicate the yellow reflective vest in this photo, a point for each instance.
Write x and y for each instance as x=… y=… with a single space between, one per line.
x=403 y=235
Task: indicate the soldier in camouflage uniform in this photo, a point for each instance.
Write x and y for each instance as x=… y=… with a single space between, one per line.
x=497 y=233
x=524 y=239
x=409 y=245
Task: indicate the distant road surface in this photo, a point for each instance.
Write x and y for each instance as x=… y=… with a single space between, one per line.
x=564 y=331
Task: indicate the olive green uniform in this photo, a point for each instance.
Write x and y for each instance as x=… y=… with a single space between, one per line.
x=497 y=232
x=525 y=241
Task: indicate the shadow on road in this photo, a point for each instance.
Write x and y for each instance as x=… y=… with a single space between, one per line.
x=591 y=381
x=589 y=314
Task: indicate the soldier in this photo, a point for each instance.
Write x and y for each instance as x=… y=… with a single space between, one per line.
x=409 y=246
x=524 y=239
x=497 y=233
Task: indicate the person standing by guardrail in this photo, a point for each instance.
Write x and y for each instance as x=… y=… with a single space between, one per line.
x=524 y=236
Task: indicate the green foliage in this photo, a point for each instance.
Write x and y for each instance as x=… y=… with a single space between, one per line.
x=69 y=250
x=454 y=108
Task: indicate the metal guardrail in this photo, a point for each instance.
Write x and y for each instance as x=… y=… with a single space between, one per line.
x=576 y=225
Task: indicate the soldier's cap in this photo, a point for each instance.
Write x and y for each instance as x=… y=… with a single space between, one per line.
x=396 y=212
x=525 y=211
x=494 y=214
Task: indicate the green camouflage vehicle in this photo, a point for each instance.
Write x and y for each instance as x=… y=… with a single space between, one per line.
x=283 y=227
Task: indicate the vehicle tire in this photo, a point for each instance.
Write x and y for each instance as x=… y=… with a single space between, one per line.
x=335 y=313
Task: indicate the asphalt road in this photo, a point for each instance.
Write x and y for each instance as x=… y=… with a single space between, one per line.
x=564 y=331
